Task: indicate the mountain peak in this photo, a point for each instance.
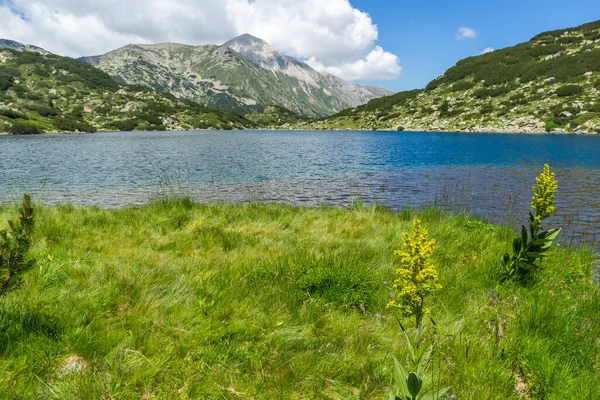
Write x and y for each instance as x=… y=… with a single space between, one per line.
x=263 y=55
x=246 y=40
x=11 y=44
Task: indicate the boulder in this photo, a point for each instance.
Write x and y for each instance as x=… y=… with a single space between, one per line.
x=71 y=365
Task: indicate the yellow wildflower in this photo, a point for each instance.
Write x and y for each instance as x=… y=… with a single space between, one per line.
x=543 y=195
x=417 y=277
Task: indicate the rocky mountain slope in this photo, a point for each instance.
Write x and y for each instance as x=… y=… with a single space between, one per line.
x=40 y=92
x=11 y=44
x=548 y=84
x=245 y=74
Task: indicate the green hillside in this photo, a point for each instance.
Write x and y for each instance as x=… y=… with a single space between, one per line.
x=550 y=83
x=48 y=93
x=276 y=116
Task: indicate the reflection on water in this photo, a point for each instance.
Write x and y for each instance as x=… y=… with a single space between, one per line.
x=488 y=175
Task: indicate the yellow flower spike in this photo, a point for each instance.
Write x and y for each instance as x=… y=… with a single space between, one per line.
x=543 y=195
x=417 y=277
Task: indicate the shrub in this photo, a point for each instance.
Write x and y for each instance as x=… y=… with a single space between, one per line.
x=569 y=39
x=454 y=112
x=461 y=86
x=493 y=92
x=23 y=127
x=551 y=124
x=20 y=90
x=34 y=96
x=12 y=114
x=7 y=78
x=14 y=246
x=434 y=84
x=486 y=109
x=444 y=108
x=72 y=125
x=124 y=125
x=388 y=102
x=595 y=108
x=42 y=109
x=77 y=112
x=569 y=90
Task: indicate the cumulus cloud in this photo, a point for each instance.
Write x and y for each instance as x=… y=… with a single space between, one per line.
x=333 y=35
x=466 y=33
x=378 y=64
x=487 y=50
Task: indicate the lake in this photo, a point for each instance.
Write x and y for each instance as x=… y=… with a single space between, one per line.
x=490 y=175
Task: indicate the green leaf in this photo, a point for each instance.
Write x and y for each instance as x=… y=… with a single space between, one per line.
x=423 y=359
x=523 y=234
x=552 y=234
x=435 y=394
x=409 y=344
x=527 y=266
x=517 y=245
x=394 y=397
x=400 y=374
x=418 y=335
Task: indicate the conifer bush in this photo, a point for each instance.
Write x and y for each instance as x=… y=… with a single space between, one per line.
x=14 y=245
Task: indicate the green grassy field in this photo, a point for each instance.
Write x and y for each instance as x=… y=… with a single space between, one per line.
x=177 y=300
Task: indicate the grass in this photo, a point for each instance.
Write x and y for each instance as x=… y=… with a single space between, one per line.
x=179 y=300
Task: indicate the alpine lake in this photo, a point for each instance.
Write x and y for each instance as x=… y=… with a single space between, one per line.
x=489 y=175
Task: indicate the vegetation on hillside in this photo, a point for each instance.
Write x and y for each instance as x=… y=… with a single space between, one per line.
x=276 y=116
x=178 y=300
x=551 y=83
x=47 y=93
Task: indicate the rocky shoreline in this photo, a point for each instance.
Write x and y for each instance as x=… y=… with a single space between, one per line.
x=520 y=131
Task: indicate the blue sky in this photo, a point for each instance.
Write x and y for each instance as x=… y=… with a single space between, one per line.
x=423 y=33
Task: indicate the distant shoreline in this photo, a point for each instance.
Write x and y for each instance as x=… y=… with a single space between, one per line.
x=487 y=131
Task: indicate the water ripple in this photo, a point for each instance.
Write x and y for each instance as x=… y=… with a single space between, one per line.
x=488 y=174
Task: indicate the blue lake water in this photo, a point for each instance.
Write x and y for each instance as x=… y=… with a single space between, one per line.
x=488 y=174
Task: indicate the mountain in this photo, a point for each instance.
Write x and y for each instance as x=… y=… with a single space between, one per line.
x=549 y=84
x=10 y=44
x=245 y=74
x=48 y=93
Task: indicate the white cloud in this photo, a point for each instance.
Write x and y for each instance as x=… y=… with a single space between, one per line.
x=378 y=64
x=333 y=34
x=466 y=33
x=487 y=50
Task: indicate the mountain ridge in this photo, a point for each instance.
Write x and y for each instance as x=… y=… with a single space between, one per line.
x=49 y=93
x=245 y=74
x=17 y=46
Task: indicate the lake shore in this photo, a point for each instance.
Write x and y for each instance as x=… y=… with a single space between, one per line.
x=481 y=130
x=175 y=298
